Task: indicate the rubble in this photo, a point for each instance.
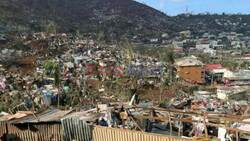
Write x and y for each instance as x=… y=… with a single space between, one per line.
x=62 y=80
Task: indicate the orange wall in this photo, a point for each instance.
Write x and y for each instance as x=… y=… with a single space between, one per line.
x=191 y=74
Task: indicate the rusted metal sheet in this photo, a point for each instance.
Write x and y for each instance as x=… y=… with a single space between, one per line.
x=75 y=129
x=18 y=115
x=33 y=132
x=50 y=132
x=111 y=134
x=2 y=129
x=51 y=115
x=23 y=136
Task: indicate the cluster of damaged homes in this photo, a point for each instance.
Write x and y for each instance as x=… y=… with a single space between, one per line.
x=104 y=123
x=127 y=122
x=217 y=114
x=226 y=83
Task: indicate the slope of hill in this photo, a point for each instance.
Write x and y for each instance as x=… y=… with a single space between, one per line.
x=214 y=23
x=116 y=18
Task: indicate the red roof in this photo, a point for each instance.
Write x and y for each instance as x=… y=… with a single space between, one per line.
x=210 y=67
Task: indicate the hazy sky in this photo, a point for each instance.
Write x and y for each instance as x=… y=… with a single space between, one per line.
x=174 y=7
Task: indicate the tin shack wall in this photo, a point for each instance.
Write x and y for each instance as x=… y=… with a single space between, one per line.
x=111 y=134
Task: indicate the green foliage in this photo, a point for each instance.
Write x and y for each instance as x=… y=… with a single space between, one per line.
x=19 y=45
x=230 y=64
x=57 y=75
x=78 y=34
x=100 y=36
x=168 y=56
x=245 y=65
x=166 y=82
x=187 y=45
x=50 y=67
x=206 y=59
x=128 y=50
x=164 y=103
x=3 y=107
x=50 y=27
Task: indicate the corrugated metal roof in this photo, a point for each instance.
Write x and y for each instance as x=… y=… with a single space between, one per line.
x=51 y=115
x=85 y=116
x=240 y=75
x=188 y=61
x=210 y=67
x=18 y=115
x=89 y=115
x=112 y=134
x=75 y=129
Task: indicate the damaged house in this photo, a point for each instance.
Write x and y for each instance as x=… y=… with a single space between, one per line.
x=242 y=77
x=190 y=69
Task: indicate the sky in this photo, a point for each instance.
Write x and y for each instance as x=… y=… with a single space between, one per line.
x=175 y=7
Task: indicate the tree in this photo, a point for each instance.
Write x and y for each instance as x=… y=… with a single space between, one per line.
x=128 y=51
x=50 y=27
x=100 y=37
x=57 y=75
x=245 y=65
x=231 y=64
x=168 y=57
x=19 y=45
x=50 y=67
x=129 y=56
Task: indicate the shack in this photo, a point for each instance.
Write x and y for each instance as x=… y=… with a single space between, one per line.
x=29 y=126
x=190 y=69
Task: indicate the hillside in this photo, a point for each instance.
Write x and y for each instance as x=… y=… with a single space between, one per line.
x=214 y=23
x=116 y=18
